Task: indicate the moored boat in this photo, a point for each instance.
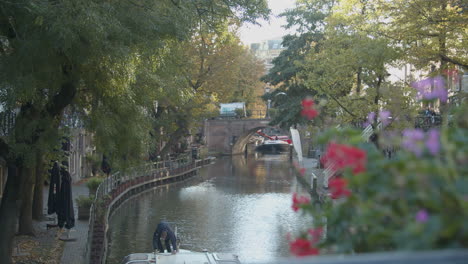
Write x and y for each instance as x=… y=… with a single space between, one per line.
x=183 y=256
x=274 y=146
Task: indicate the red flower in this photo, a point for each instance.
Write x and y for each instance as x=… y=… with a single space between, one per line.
x=338 y=188
x=307 y=103
x=316 y=234
x=308 y=110
x=340 y=156
x=302 y=247
x=302 y=171
x=298 y=201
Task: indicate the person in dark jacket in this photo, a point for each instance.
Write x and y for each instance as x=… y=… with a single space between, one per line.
x=164 y=232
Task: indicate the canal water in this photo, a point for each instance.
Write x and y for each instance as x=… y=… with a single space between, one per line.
x=237 y=205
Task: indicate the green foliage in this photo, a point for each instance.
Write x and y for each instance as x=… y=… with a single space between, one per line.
x=345 y=49
x=85 y=201
x=433 y=31
x=382 y=212
x=93 y=184
x=108 y=61
x=239 y=112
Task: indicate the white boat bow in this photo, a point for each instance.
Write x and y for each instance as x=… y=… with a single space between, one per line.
x=182 y=257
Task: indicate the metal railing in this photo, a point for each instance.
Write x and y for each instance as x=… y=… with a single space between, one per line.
x=7 y=122
x=119 y=183
x=251 y=114
x=427 y=122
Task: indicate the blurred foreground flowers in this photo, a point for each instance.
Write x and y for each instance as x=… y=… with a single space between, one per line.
x=417 y=200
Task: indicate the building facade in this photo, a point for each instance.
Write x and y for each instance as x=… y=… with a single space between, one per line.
x=267 y=50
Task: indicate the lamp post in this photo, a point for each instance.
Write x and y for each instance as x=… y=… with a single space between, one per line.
x=268 y=108
x=267 y=90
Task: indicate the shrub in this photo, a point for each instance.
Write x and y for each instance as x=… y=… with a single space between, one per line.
x=416 y=200
x=93 y=184
x=85 y=201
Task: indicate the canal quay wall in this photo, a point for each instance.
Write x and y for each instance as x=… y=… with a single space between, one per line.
x=117 y=188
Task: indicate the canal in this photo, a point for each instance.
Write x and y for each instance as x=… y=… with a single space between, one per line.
x=238 y=205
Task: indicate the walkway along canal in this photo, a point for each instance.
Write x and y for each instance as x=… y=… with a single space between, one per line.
x=235 y=205
x=117 y=188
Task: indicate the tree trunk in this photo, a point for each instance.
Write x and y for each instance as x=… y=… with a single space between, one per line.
x=27 y=187
x=359 y=81
x=377 y=88
x=38 y=200
x=172 y=140
x=8 y=214
x=443 y=40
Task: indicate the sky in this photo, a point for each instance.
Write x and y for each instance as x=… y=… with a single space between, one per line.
x=267 y=30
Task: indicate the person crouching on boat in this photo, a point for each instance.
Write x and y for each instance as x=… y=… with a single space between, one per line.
x=164 y=232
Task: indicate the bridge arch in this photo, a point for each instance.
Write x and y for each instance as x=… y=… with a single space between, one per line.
x=230 y=136
x=241 y=143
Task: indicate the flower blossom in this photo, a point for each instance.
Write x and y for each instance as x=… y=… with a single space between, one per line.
x=414 y=141
x=315 y=234
x=308 y=110
x=422 y=216
x=298 y=201
x=338 y=188
x=433 y=141
x=431 y=89
x=303 y=247
x=339 y=156
x=302 y=171
x=384 y=116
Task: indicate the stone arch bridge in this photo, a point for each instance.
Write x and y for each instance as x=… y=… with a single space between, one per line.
x=230 y=136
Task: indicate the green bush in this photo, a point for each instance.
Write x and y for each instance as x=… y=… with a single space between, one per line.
x=93 y=184
x=239 y=112
x=85 y=201
x=416 y=200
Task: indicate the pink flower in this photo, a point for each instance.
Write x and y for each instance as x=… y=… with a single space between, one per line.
x=433 y=141
x=414 y=141
x=339 y=156
x=302 y=247
x=431 y=88
x=308 y=110
x=299 y=201
x=338 y=188
x=422 y=216
x=384 y=117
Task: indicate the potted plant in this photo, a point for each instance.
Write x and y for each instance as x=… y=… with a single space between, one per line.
x=93 y=184
x=84 y=206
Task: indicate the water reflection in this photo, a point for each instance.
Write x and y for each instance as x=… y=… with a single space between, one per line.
x=235 y=205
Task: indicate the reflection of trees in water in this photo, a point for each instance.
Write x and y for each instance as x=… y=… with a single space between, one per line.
x=239 y=174
x=213 y=209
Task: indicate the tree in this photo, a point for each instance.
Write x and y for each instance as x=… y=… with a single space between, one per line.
x=308 y=18
x=84 y=53
x=432 y=32
x=216 y=68
x=338 y=57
